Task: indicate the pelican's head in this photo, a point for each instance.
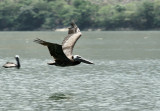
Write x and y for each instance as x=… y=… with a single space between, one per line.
x=17 y=56
x=80 y=59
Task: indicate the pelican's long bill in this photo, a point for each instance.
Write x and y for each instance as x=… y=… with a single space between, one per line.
x=86 y=61
x=81 y=59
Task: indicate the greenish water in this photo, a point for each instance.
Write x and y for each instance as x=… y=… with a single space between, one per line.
x=125 y=77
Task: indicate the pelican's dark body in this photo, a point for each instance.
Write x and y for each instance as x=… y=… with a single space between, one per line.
x=64 y=63
x=62 y=54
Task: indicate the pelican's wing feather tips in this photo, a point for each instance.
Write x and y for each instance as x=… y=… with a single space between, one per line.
x=54 y=49
x=42 y=42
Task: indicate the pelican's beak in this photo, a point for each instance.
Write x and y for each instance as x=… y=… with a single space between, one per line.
x=85 y=61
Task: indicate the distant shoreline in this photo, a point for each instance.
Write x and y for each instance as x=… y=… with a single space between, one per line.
x=99 y=29
x=89 y=30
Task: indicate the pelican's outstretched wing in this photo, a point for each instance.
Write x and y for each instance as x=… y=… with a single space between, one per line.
x=54 y=49
x=69 y=41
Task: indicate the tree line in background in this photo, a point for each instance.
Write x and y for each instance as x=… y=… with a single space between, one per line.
x=51 y=14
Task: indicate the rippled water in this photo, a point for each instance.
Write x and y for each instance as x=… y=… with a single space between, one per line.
x=125 y=76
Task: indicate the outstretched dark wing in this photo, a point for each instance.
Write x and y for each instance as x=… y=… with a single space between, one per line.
x=54 y=49
x=69 y=41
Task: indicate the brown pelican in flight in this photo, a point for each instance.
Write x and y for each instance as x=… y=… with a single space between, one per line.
x=62 y=54
x=11 y=64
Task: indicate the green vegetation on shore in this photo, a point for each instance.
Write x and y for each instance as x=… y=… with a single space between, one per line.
x=88 y=14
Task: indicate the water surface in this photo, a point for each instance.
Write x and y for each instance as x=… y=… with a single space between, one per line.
x=125 y=76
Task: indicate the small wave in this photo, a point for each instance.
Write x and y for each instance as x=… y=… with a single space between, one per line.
x=60 y=96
